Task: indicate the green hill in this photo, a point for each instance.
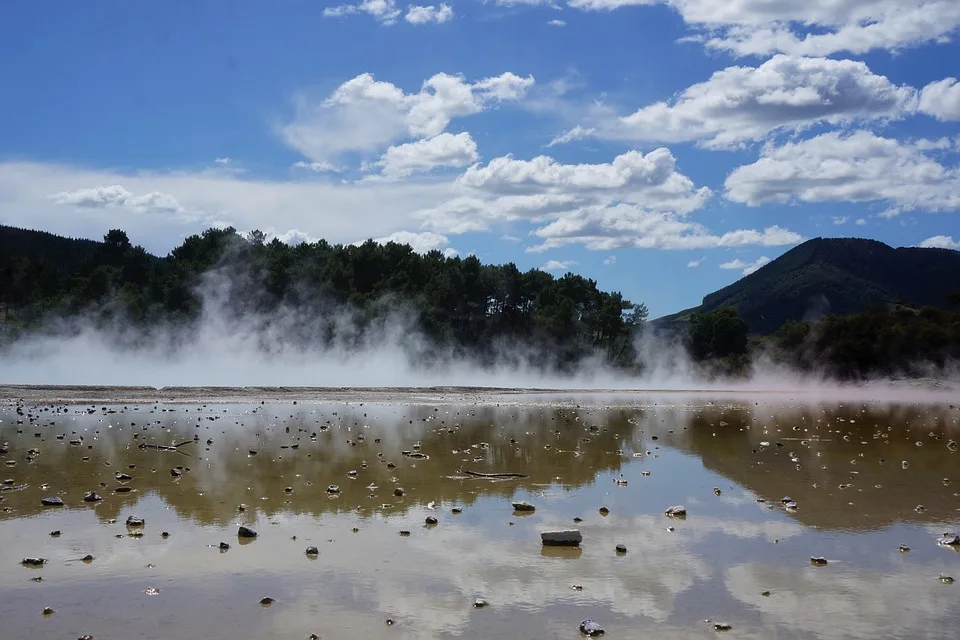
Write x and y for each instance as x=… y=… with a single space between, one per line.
x=834 y=276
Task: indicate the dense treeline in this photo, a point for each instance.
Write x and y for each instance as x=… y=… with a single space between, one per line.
x=457 y=303
x=892 y=341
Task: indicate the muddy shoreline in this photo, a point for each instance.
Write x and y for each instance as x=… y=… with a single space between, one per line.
x=927 y=390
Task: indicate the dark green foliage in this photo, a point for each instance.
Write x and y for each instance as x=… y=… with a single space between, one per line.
x=459 y=304
x=717 y=334
x=827 y=276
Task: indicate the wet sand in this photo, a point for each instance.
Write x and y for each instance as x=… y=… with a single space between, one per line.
x=732 y=559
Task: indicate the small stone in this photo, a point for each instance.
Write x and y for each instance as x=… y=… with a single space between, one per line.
x=765 y=594
x=404 y=533
x=333 y=489
x=949 y=539
x=431 y=521
x=398 y=492
x=47 y=611
x=176 y=473
x=904 y=548
x=480 y=603
x=165 y=534
x=85 y=636
x=267 y=601
x=224 y=546
x=87 y=559
x=577 y=587
x=621 y=548
x=52 y=501
x=152 y=591
x=920 y=508
x=389 y=622
x=716 y=491
x=577 y=520
x=122 y=477
x=33 y=562
x=946 y=579
x=123 y=489
x=722 y=626
x=252 y=452
x=135 y=521
x=591 y=629
x=246 y=532
x=54 y=534
x=313 y=551
x=604 y=511
x=564 y=538
x=818 y=561
x=677 y=511
x=523 y=505
x=456 y=511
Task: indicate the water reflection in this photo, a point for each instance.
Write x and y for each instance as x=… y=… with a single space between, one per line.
x=278 y=460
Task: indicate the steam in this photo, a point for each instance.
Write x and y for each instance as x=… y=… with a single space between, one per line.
x=321 y=344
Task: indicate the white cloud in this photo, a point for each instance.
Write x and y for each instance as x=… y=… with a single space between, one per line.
x=738 y=105
x=383 y=11
x=317 y=167
x=223 y=161
x=420 y=242
x=746 y=267
x=813 y=27
x=693 y=264
x=115 y=196
x=444 y=150
x=426 y=14
x=859 y=167
x=941 y=99
x=558 y=265
x=840 y=220
x=861 y=222
x=610 y=260
x=366 y=115
x=620 y=226
x=940 y=242
x=577 y=133
x=556 y=23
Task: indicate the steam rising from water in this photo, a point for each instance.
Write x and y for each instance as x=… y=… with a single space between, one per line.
x=320 y=346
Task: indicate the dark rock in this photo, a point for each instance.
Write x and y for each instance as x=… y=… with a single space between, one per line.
x=404 y=533
x=480 y=603
x=677 y=511
x=267 y=601
x=165 y=535
x=591 y=629
x=563 y=538
x=224 y=546
x=122 y=476
x=87 y=558
x=54 y=534
x=523 y=505
x=621 y=548
x=85 y=636
x=818 y=561
x=313 y=551
x=246 y=532
x=333 y=489
x=456 y=510
x=52 y=501
x=123 y=489
x=176 y=473
x=135 y=521
x=949 y=539
x=946 y=579
x=47 y=611
x=604 y=511
x=431 y=520
x=33 y=562
x=90 y=496
x=398 y=492
x=722 y=626
x=904 y=548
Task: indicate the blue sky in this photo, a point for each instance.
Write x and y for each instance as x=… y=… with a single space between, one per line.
x=662 y=147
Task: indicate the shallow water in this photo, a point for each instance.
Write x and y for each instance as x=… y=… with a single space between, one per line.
x=843 y=464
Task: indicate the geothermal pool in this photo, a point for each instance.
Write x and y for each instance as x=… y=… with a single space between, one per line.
x=876 y=482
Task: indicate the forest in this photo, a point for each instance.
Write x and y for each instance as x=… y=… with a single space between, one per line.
x=461 y=307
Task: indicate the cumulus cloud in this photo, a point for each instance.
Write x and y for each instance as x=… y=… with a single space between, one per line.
x=444 y=150
x=99 y=197
x=746 y=268
x=437 y=14
x=742 y=104
x=576 y=133
x=558 y=265
x=223 y=161
x=556 y=23
x=940 y=242
x=423 y=242
x=693 y=264
x=383 y=11
x=941 y=99
x=840 y=220
x=857 y=167
x=623 y=226
x=366 y=115
x=861 y=222
x=813 y=27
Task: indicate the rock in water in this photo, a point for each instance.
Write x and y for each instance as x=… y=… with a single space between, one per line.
x=134 y=521
x=523 y=505
x=313 y=551
x=246 y=532
x=333 y=489
x=949 y=539
x=480 y=603
x=91 y=496
x=562 y=538
x=52 y=501
x=591 y=629
x=621 y=548
x=33 y=562
x=431 y=521
x=818 y=561
x=722 y=626
x=677 y=511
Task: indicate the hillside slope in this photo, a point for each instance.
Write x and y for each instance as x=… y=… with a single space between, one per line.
x=834 y=276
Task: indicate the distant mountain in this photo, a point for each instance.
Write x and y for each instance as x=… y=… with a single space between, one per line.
x=834 y=276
